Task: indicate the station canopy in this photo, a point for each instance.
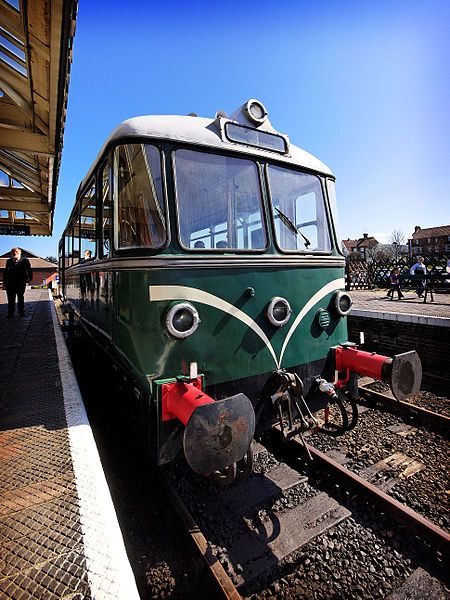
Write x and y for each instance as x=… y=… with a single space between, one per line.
x=36 y=39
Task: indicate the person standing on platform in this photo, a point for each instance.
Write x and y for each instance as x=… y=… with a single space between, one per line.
x=394 y=279
x=419 y=269
x=17 y=273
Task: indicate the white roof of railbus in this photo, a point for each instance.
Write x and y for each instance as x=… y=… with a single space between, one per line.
x=203 y=132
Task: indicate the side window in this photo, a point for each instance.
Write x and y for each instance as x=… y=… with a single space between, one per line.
x=138 y=197
x=67 y=248
x=88 y=224
x=106 y=209
x=61 y=250
x=76 y=244
x=76 y=239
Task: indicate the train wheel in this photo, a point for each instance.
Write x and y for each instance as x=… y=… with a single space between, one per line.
x=244 y=467
x=336 y=418
x=224 y=477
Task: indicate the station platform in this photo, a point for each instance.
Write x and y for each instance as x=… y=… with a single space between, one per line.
x=59 y=535
x=410 y=309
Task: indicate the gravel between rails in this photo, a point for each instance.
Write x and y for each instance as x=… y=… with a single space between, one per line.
x=350 y=561
x=436 y=402
x=362 y=558
x=371 y=441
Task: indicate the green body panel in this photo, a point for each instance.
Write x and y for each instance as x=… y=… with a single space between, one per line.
x=224 y=347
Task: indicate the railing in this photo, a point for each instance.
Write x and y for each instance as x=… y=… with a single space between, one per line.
x=366 y=275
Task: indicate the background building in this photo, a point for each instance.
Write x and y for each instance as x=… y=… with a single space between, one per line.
x=432 y=241
x=361 y=248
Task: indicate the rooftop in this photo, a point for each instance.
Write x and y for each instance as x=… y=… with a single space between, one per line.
x=431 y=232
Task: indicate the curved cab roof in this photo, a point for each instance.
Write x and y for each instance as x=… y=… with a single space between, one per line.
x=205 y=132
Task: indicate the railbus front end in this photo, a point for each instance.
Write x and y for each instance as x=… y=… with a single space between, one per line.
x=203 y=256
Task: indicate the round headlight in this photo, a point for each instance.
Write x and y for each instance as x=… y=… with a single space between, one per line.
x=182 y=320
x=256 y=112
x=342 y=303
x=278 y=311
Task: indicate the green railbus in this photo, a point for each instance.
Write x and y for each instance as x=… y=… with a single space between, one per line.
x=202 y=254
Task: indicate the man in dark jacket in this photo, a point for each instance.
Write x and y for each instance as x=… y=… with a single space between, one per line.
x=17 y=273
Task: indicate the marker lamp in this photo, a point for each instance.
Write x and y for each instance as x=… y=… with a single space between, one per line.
x=182 y=320
x=342 y=303
x=278 y=311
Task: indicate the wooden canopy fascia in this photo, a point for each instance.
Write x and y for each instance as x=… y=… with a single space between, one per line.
x=36 y=53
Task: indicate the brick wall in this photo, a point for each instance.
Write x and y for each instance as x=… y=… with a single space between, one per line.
x=40 y=274
x=432 y=343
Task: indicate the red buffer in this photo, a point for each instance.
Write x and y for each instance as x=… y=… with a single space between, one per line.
x=217 y=433
x=403 y=372
x=180 y=399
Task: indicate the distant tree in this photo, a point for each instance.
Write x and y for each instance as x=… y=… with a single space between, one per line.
x=375 y=252
x=51 y=259
x=397 y=236
x=383 y=252
x=396 y=242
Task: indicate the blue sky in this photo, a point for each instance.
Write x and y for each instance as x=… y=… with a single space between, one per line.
x=364 y=86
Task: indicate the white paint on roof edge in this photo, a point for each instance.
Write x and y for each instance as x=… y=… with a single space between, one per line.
x=200 y=131
x=108 y=569
x=402 y=317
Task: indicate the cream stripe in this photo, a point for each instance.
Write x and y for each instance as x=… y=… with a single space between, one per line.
x=182 y=292
x=329 y=287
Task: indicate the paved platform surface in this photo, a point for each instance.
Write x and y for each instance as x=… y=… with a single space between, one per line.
x=377 y=302
x=59 y=536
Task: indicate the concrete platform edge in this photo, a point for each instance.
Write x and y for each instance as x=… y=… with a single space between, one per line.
x=106 y=559
x=401 y=317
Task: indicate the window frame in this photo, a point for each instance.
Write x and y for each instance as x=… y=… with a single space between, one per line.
x=61 y=260
x=67 y=245
x=225 y=154
x=106 y=162
x=90 y=184
x=329 y=222
x=75 y=231
x=138 y=250
x=332 y=214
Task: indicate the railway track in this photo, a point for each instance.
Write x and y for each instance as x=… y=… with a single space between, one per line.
x=223 y=586
x=257 y=534
x=276 y=531
x=406 y=408
x=437 y=538
x=399 y=453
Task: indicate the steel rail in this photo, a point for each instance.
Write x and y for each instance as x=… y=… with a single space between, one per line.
x=436 y=536
x=225 y=586
x=406 y=407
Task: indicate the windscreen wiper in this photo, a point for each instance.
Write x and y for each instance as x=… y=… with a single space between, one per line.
x=286 y=220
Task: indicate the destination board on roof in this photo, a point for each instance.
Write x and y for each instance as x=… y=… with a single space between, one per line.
x=14 y=229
